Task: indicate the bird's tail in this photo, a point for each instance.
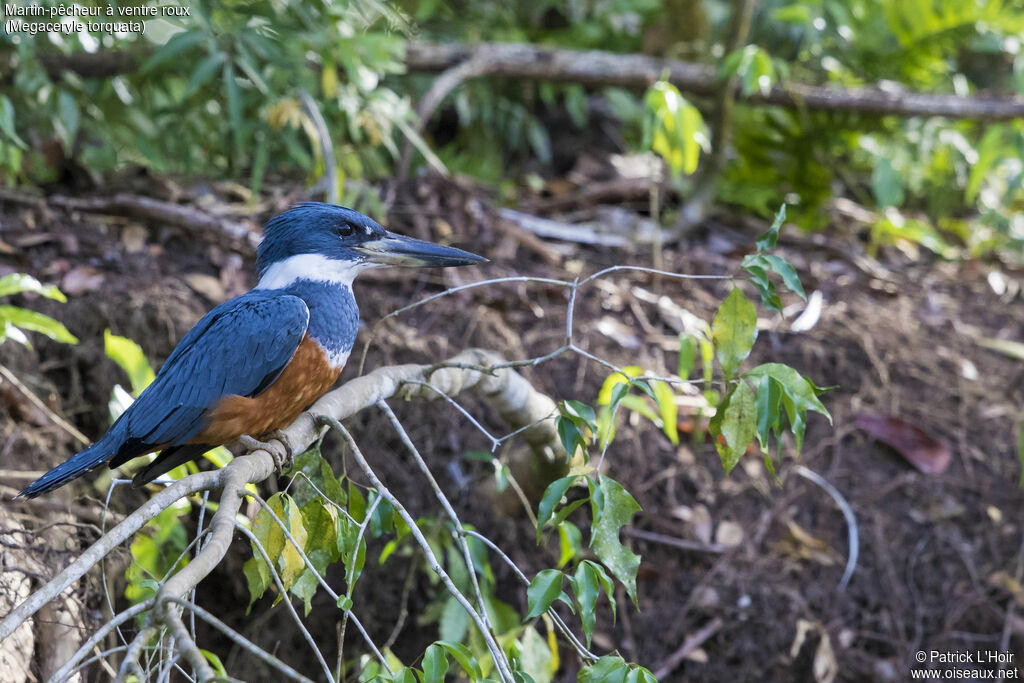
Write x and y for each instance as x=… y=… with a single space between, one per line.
x=74 y=467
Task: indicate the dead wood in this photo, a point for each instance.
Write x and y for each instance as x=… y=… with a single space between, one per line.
x=600 y=68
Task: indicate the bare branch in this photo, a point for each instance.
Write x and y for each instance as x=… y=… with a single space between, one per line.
x=600 y=68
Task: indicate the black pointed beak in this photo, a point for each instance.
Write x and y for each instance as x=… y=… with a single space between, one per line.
x=398 y=250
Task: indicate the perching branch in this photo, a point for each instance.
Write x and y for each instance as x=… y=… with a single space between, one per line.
x=511 y=394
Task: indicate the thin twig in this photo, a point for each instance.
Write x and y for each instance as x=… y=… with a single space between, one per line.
x=241 y=640
x=286 y=600
x=38 y=403
x=853 y=533
x=687 y=648
x=446 y=504
x=499 y=660
x=561 y=625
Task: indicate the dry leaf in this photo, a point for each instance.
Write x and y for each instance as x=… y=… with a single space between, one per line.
x=825 y=667
x=133 y=238
x=1002 y=579
x=920 y=449
x=729 y=534
x=800 y=545
x=700 y=523
x=207 y=285
x=81 y=279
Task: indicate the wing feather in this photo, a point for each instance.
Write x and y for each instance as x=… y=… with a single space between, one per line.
x=240 y=347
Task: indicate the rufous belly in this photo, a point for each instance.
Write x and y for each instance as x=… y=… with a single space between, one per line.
x=307 y=377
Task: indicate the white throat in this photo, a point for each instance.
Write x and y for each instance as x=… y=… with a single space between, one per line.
x=310 y=267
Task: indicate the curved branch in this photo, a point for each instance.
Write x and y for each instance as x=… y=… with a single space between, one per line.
x=515 y=399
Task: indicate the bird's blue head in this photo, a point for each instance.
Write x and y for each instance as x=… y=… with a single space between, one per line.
x=325 y=241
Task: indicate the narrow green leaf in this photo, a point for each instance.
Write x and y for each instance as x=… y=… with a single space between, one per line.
x=787 y=273
x=768 y=406
x=734 y=331
x=179 y=43
x=7 y=122
x=15 y=283
x=668 y=410
x=769 y=239
x=234 y=98
x=37 y=322
x=203 y=73
x=543 y=591
x=569 y=434
x=585 y=585
x=552 y=496
x=570 y=542
x=130 y=357
x=687 y=355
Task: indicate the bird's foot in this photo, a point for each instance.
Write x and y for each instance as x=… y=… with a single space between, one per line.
x=275 y=444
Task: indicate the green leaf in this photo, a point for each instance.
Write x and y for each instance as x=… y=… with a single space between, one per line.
x=768 y=407
x=15 y=283
x=7 y=122
x=570 y=436
x=886 y=184
x=234 y=98
x=570 y=542
x=567 y=510
x=257 y=576
x=608 y=669
x=404 y=675
x=667 y=409
x=435 y=664
x=757 y=266
x=130 y=357
x=787 y=273
x=734 y=331
x=586 y=587
x=769 y=239
x=203 y=73
x=535 y=656
x=36 y=322
x=736 y=421
x=687 y=355
x=316 y=477
x=344 y=603
x=543 y=591
x=454 y=621
x=214 y=660
x=989 y=150
x=580 y=410
x=461 y=654
x=552 y=496
x=612 y=508
x=69 y=117
x=179 y=43
x=799 y=395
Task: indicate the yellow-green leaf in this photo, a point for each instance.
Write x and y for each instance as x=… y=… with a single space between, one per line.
x=734 y=331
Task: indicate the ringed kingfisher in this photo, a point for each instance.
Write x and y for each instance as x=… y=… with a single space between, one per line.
x=251 y=365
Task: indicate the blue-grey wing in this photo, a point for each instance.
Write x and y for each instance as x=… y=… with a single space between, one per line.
x=240 y=347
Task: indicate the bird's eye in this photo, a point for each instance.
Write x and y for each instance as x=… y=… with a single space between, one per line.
x=345 y=230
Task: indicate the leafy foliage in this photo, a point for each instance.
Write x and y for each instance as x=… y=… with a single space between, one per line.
x=15 y=321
